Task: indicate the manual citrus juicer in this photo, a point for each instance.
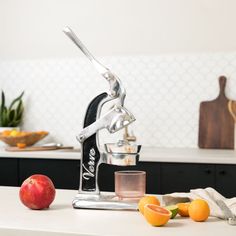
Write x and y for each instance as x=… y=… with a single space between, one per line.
x=121 y=153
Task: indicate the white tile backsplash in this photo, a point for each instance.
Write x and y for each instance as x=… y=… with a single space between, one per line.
x=163 y=92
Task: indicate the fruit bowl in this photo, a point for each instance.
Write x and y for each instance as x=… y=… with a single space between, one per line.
x=12 y=138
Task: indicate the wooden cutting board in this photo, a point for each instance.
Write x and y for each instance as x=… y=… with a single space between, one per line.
x=36 y=148
x=216 y=125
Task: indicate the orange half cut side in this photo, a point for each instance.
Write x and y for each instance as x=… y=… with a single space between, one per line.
x=156 y=215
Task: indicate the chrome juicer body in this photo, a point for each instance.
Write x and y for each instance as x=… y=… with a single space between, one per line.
x=121 y=153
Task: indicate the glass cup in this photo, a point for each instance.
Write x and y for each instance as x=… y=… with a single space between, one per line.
x=130 y=184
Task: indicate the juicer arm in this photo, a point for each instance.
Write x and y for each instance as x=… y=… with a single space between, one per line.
x=115 y=119
x=99 y=124
x=116 y=88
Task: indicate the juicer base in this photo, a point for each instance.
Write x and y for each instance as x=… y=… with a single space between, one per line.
x=104 y=202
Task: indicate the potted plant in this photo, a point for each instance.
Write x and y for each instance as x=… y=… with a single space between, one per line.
x=11 y=116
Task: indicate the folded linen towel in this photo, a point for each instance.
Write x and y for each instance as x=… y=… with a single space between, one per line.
x=208 y=194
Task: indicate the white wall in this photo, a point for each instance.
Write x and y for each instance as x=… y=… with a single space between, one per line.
x=32 y=28
x=132 y=37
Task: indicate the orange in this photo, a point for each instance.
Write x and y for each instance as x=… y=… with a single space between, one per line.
x=6 y=132
x=42 y=132
x=147 y=200
x=183 y=209
x=21 y=145
x=199 y=210
x=156 y=215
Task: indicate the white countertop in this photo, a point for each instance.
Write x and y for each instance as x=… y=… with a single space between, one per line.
x=184 y=155
x=62 y=219
x=69 y=154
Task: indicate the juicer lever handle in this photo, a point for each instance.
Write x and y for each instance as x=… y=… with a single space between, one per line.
x=116 y=89
x=101 y=69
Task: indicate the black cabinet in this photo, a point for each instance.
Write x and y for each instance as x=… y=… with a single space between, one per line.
x=226 y=180
x=63 y=173
x=181 y=177
x=8 y=172
x=106 y=175
x=161 y=177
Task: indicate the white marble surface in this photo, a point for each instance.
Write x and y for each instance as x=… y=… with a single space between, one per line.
x=184 y=155
x=62 y=219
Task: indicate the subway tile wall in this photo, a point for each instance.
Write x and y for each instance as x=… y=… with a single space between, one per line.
x=163 y=92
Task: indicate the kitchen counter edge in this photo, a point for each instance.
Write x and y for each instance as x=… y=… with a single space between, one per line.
x=148 y=154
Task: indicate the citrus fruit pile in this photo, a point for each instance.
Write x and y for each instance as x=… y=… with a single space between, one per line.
x=156 y=215
x=197 y=210
x=21 y=139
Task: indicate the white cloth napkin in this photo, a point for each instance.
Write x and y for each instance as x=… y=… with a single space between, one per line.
x=208 y=194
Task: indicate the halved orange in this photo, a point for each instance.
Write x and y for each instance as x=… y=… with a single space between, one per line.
x=156 y=215
x=149 y=199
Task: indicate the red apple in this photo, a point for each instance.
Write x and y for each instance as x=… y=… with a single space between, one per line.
x=37 y=192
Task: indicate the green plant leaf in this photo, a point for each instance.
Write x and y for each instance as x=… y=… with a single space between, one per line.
x=19 y=110
x=16 y=100
x=4 y=117
x=15 y=123
x=19 y=115
x=2 y=101
x=11 y=115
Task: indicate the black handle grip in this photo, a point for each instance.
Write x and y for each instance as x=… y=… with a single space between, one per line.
x=90 y=152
